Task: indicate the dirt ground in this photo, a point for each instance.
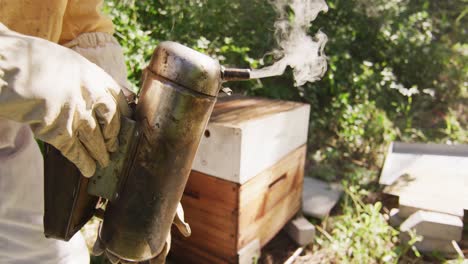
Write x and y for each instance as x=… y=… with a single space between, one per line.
x=281 y=248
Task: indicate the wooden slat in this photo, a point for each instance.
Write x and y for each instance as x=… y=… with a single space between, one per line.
x=245 y=136
x=271 y=223
x=260 y=183
x=211 y=206
x=207 y=242
x=206 y=205
x=225 y=216
x=242 y=109
x=224 y=234
x=200 y=185
x=183 y=252
x=217 y=218
x=262 y=193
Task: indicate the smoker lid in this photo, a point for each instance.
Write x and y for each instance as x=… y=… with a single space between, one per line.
x=186 y=67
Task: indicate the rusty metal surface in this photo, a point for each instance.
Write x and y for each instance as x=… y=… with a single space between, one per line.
x=108 y=181
x=186 y=67
x=177 y=98
x=171 y=121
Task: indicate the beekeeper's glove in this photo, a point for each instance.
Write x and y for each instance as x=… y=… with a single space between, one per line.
x=68 y=101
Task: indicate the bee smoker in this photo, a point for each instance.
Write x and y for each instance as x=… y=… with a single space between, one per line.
x=147 y=176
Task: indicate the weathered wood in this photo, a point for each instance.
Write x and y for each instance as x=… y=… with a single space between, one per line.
x=210 y=206
x=225 y=217
x=259 y=195
x=183 y=252
x=236 y=110
x=248 y=135
x=271 y=223
x=213 y=189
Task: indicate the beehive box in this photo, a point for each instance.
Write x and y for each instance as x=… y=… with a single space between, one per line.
x=246 y=183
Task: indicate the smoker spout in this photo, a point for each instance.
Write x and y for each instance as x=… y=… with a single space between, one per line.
x=233 y=74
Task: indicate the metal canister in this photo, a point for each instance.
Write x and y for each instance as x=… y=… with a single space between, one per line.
x=175 y=103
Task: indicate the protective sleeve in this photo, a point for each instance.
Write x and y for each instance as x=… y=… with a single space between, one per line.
x=84 y=16
x=68 y=101
x=103 y=50
x=42 y=19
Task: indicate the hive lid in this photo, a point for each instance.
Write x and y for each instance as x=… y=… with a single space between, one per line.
x=247 y=135
x=427 y=170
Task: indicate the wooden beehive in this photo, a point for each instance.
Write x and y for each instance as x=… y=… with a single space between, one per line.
x=233 y=208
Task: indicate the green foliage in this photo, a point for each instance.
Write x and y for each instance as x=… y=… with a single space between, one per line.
x=397 y=71
x=397 y=68
x=230 y=31
x=388 y=78
x=361 y=234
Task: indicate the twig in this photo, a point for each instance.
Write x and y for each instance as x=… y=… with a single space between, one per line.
x=457 y=249
x=294 y=256
x=325 y=233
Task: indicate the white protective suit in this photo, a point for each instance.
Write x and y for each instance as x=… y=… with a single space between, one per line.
x=48 y=116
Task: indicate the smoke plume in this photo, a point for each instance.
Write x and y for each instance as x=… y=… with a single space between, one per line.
x=303 y=53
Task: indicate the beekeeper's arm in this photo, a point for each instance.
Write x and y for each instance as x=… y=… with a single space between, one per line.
x=87 y=31
x=68 y=101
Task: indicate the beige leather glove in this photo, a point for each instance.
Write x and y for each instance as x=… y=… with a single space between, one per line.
x=68 y=101
x=179 y=222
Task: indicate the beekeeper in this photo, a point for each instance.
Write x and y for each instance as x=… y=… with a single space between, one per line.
x=62 y=80
x=51 y=92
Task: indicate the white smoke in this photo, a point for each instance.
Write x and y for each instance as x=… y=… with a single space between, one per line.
x=300 y=51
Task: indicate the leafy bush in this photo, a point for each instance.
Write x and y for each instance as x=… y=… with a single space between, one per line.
x=397 y=71
x=230 y=31
x=397 y=68
x=387 y=80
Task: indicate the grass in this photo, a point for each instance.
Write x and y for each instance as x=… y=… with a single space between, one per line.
x=360 y=234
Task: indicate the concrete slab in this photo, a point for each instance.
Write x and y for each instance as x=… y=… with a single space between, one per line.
x=411 y=203
x=434 y=225
x=319 y=197
x=301 y=231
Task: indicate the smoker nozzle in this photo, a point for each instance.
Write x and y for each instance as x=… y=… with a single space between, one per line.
x=233 y=74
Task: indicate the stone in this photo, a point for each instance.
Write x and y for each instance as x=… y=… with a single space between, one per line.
x=319 y=197
x=429 y=245
x=411 y=203
x=434 y=225
x=301 y=231
x=394 y=219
